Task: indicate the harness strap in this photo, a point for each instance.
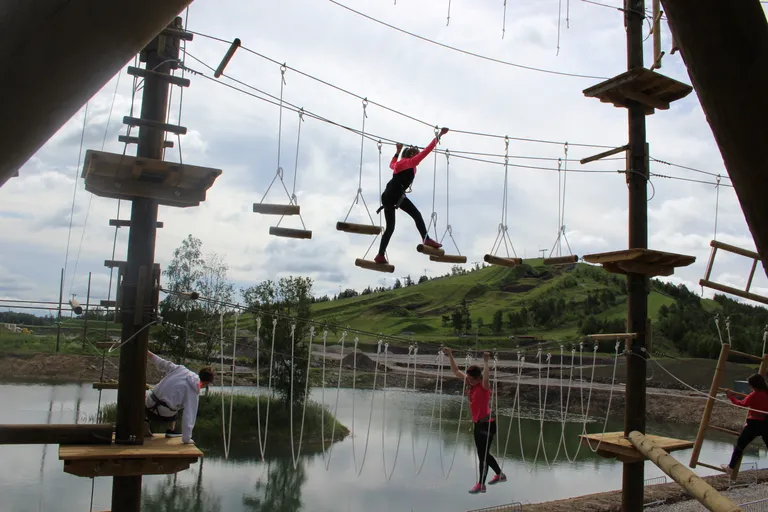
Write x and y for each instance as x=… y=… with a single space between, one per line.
x=159 y=402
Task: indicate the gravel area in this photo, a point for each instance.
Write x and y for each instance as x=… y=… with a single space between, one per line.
x=739 y=496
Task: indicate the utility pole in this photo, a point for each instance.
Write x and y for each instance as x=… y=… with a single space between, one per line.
x=637 y=284
x=160 y=56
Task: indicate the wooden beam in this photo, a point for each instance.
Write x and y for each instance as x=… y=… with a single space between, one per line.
x=171 y=79
x=561 y=260
x=504 y=262
x=276 y=209
x=135 y=140
x=449 y=258
x=126 y=223
x=166 y=127
x=617 y=336
x=604 y=154
x=431 y=251
x=227 y=57
x=733 y=291
x=360 y=229
x=688 y=480
x=716 y=379
x=725 y=47
x=734 y=249
x=372 y=265
x=56 y=434
x=290 y=233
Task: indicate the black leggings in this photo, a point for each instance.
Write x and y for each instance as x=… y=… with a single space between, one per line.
x=389 y=215
x=484 y=432
x=753 y=429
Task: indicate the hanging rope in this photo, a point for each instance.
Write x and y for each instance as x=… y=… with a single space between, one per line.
x=504 y=21
x=562 y=175
x=431 y=417
x=294 y=199
x=388 y=475
x=433 y=216
x=306 y=390
x=515 y=402
x=378 y=146
x=263 y=445
x=448 y=228
x=227 y=436
x=503 y=233
x=717 y=205
x=336 y=407
x=458 y=426
x=370 y=413
x=359 y=194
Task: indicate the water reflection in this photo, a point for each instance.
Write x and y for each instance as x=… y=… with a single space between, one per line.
x=171 y=496
x=281 y=490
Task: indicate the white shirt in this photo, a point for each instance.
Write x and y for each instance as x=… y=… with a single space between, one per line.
x=180 y=389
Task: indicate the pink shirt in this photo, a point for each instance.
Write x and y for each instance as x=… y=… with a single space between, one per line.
x=411 y=163
x=479 y=398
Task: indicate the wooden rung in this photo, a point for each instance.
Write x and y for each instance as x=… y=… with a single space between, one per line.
x=147 y=123
x=372 y=265
x=114 y=263
x=290 y=233
x=504 y=262
x=710 y=466
x=449 y=258
x=135 y=140
x=425 y=249
x=125 y=223
x=360 y=229
x=179 y=34
x=726 y=430
x=108 y=303
x=736 y=250
x=604 y=154
x=620 y=336
x=744 y=354
x=227 y=57
x=733 y=291
x=166 y=77
x=561 y=260
x=725 y=390
x=276 y=209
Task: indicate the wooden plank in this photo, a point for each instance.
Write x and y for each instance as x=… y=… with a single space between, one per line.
x=620 y=336
x=604 y=154
x=276 y=209
x=171 y=79
x=290 y=233
x=179 y=34
x=361 y=229
x=734 y=249
x=426 y=249
x=744 y=354
x=227 y=57
x=636 y=267
x=126 y=223
x=127 y=467
x=504 y=262
x=725 y=390
x=615 y=443
x=135 y=140
x=105 y=344
x=707 y=413
x=146 y=123
x=449 y=258
x=726 y=430
x=648 y=256
x=153 y=447
x=561 y=260
x=127 y=190
x=643 y=98
x=733 y=291
x=372 y=265
x=710 y=466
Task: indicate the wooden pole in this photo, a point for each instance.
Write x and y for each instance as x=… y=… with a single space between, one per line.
x=716 y=380
x=87 y=303
x=688 y=480
x=61 y=298
x=137 y=284
x=637 y=284
x=56 y=434
x=725 y=48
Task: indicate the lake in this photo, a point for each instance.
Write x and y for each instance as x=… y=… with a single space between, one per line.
x=32 y=479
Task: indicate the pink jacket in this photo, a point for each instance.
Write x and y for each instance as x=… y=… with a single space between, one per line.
x=411 y=163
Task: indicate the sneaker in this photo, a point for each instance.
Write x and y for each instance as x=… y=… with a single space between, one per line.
x=498 y=478
x=431 y=243
x=476 y=489
x=172 y=433
x=380 y=259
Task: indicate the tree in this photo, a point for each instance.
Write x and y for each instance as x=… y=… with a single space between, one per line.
x=397 y=284
x=423 y=279
x=288 y=301
x=498 y=321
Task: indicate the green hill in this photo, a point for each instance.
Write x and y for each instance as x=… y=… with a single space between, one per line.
x=550 y=303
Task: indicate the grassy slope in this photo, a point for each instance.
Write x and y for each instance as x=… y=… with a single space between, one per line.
x=419 y=308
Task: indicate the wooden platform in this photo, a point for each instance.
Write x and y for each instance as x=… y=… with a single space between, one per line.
x=644 y=86
x=116 y=176
x=615 y=445
x=157 y=456
x=640 y=261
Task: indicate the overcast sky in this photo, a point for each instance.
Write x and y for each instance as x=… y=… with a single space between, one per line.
x=239 y=134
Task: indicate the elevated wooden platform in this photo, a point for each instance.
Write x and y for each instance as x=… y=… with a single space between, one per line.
x=110 y=384
x=653 y=90
x=640 y=261
x=125 y=177
x=615 y=445
x=157 y=456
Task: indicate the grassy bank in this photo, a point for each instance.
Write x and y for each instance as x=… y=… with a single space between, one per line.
x=248 y=415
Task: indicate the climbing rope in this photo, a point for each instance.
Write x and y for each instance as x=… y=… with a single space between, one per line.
x=562 y=175
x=433 y=215
x=263 y=445
x=388 y=475
x=306 y=390
x=227 y=433
x=336 y=407
x=458 y=426
x=378 y=146
x=564 y=411
x=370 y=413
x=359 y=194
x=448 y=228
x=294 y=199
x=431 y=416
x=503 y=232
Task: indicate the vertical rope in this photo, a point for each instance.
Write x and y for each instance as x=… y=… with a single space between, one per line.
x=559 y=16
x=74 y=192
x=504 y=21
x=717 y=204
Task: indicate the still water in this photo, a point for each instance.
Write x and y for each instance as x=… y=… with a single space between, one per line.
x=32 y=480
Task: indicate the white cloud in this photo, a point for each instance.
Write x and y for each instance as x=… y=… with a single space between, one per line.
x=238 y=134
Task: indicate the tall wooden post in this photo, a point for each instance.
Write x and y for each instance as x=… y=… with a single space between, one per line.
x=637 y=284
x=137 y=284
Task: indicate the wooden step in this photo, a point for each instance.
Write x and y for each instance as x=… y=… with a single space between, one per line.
x=504 y=262
x=276 y=209
x=449 y=258
x=640 y=261
x=372 y=265
x=147 y=123
x=431 y=251
x=290 y=233
x=360 y=229
x=135 y=140
x=171 y=79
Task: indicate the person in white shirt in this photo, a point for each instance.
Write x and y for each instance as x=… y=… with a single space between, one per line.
x=178 y=389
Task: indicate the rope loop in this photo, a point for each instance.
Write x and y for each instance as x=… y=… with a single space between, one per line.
x=549 y=356
x=357 y=340
x=280 y=172
x=274 y=321
x=365 y=106
x=596 y=347
x=283 y=69
x=437 y=131
x=301 y=114
x=378 y=146
x=415 y=349
x=378 y=347
x=293 y=328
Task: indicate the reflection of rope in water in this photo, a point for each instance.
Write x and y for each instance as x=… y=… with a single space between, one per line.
x=431 y=416
x=388 y=475
x=336 y=407
x=306 y=391
x=370 y=413
x=458 y=426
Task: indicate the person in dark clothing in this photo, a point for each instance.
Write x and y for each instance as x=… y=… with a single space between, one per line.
x=757 y=418
x=393 y=197
x=479 y=393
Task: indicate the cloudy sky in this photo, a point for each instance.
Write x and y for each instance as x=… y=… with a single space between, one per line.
x=239 y=134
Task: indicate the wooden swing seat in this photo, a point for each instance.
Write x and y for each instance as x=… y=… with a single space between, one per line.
x=290 y=233
x=360 y=229
x=276 y=209
x=431 y=251
x=449 y=258
x=561 y=260
x=504 y=262
x=372 y=265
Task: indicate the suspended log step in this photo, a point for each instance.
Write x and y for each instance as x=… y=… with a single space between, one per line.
x=120 y=176
x=649 y=88
x=431 y=251
x=372 y=265
x=561 y=260
x=504 y=262
x=640 y=261
x=157 y=456
x=615 y=445
x=276 y=209
x=449 y=258
x=360 y=229
x=620 y=336
x=130 y=139
x=126 y=223
x=290 y=233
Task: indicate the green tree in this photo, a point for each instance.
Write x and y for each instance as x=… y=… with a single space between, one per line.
x=498 y=321
x=423 y=279
x=288 y=303
x=397 y=284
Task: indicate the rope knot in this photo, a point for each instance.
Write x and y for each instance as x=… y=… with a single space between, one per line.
x=356 y=341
